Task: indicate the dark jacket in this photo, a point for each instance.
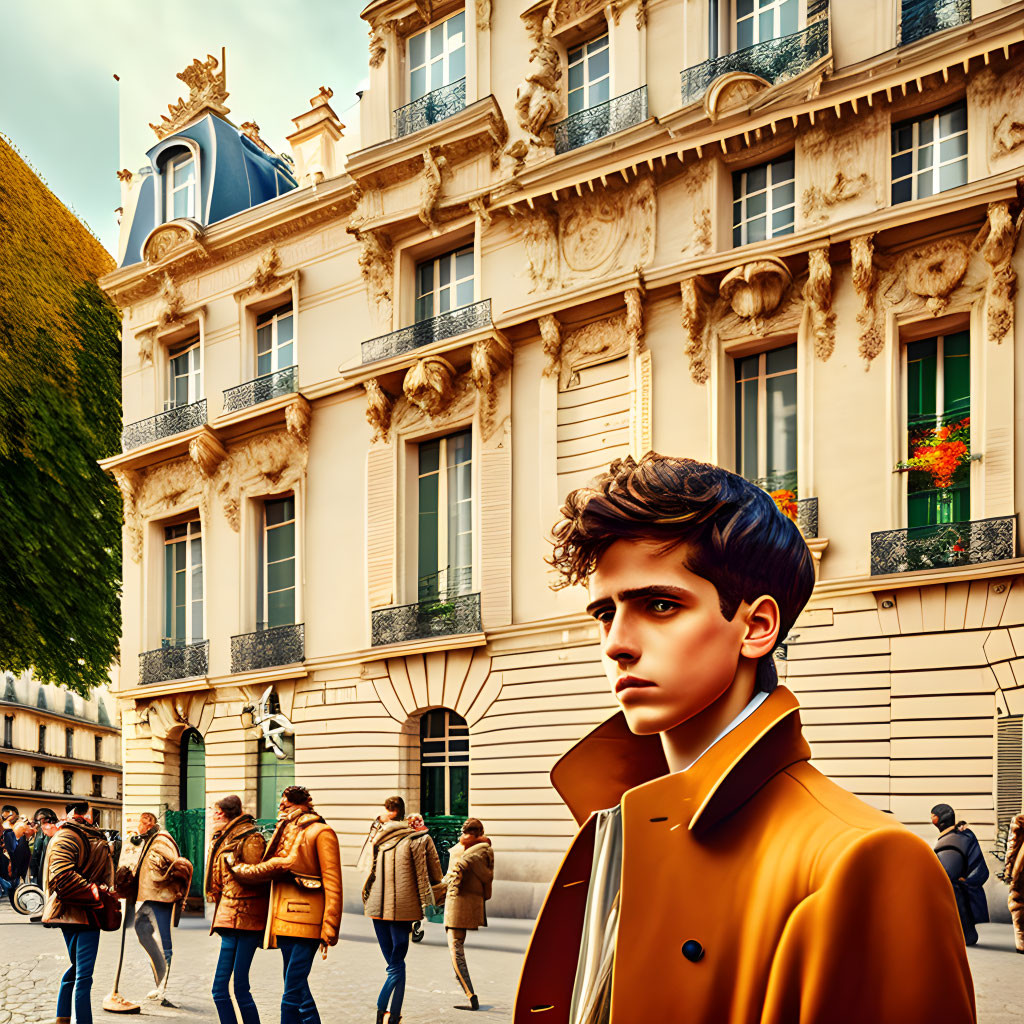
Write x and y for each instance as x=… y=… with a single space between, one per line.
x=35 y=864
x=976 y=877
x=20 y=860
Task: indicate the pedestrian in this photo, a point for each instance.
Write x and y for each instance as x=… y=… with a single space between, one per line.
x=953 y=849
x=303 y=865
x=46 y=821
x=24 y=833
x=394 y=809
x=977 y=875
x=240 y=910
x=1013 y=874
x=8 y=848
x=405 y=874
x=77 y=875
x=469 y=876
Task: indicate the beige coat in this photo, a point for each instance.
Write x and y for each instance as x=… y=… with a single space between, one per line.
x=470 y=872
x=405 y=874
x=163 y=875
x=238 y=905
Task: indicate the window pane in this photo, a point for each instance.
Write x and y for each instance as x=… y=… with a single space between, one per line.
x=464 y=293
x=925 y=131
x=783 y=195
x=953 y=175
x=575 y=76
x=424 y=307
x=281 y=542
x=436 y=40
x=925 y=155
x=924 y=184
x=417 y=50
x=181 y=203
x=902 y=165
x=780 y=359
x=280 y=510
x=457 y=64
x=285 y=357
x=902 y=191
x=780 y=395
x=766 y=26
x=597 y=65
x=264 y=337
x=756 y=178
x=748 y=467
x=599 y=93
x=281 y=575
x=782 y=222
x=953 y=120
x=902 y=137
x=756 y=204
x=788 y=17
x=459 y=779
x=418 y=83
x=744 y=7
x=756 y=230
x=284 y=329
x=281 y=608
x=464 y=263
x=783 y=169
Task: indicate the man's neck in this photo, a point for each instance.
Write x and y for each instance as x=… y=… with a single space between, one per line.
x=685 y=743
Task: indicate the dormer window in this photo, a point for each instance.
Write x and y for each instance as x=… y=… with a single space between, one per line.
x=437 y=56
x=180 y=176
x=589 y=75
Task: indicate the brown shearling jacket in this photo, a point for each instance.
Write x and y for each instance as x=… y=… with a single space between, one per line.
x=470 y=872
x=303 y=865
x=237 y=905
x=77 y=861
x=164 y=876
x=753 y=890
x=406 y=873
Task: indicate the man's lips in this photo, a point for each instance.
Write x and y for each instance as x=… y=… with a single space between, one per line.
x=624 y=683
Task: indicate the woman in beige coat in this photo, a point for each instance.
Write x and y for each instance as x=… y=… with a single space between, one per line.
x=470 y=872
x=1014 y=875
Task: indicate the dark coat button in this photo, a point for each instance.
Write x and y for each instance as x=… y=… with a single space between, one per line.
x=693 y=950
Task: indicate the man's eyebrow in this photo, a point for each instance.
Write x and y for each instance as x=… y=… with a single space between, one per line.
x=654 y=590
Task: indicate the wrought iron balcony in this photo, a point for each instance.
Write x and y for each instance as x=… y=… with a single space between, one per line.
x=278 y=645
x=262 y=389
x=438 y=328
x=775 y=60
x=429 y=109
x=163 y=424
x=607 y=118
x=921 y=18
x=944 y=546
x=174 y=661
x=442 y=616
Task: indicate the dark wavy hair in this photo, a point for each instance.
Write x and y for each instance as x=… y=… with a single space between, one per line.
x=734 y=535
x=298 y=795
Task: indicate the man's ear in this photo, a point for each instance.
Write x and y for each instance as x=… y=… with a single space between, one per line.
x=763 y=621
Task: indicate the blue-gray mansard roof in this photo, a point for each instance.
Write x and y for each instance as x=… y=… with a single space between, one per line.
x=234 y=174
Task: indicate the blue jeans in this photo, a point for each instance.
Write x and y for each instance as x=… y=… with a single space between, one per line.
x=76 y=985
x=237 y=948
x=393 y=939
x=297 y=1005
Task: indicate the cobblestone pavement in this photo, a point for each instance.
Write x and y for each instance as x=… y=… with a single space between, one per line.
x=32 y=959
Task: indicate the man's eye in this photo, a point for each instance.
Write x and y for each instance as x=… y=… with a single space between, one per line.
x=661 y=605
x=605 y=616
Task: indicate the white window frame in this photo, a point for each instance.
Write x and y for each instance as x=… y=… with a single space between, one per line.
x=763 y=377
x=916 y=148
x=582 y=54
x=437 y=290
x=272 y=318
x=192 y=351
x=758 y=8
x=440 y=754
x=192 y=538
x=770 y=210
x=262 y=587
x=447 y=49
x=463 y=574
x=180 y=161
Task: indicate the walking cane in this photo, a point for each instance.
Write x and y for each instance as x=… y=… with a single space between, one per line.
x=115 y=1002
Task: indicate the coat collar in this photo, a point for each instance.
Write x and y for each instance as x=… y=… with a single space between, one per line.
x=611 y=761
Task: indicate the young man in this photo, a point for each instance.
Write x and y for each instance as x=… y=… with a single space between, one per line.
x=303 y=865
x=717 y=876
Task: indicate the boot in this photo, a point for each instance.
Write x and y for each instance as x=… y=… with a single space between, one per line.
x=63 y=1020
x=474 y=1004
x=380 y=1016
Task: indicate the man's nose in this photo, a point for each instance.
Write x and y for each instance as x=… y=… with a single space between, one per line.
x=620 y=642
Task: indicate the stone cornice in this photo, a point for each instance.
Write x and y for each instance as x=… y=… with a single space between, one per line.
x=55 y=759
x=84 y=723
x=848 y=586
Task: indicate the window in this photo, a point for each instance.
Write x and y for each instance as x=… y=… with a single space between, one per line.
x=185 y=374
x=444 y=283
x=589 y=75
x=938 y=374
x=97 y=785
x=765 y=423
x=929 y=154
x=183 y=584
x=274 y=337
x=445 y=519
x=8 y=730
x=69 y=742
x=180 y=184
x=276 y=571
x=757 y=21
x=37 y=779
x=98 y=741
x=69 y=782
x=763 y=201
x=273 y=776
x=3 y=775
x=444 y=764
x=42 y=739
x=437 y=56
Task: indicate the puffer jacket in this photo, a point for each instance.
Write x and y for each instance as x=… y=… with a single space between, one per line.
x=303 y=864
x=405 y=874
x=237 y=905
x=470 y=872
x=78 y=861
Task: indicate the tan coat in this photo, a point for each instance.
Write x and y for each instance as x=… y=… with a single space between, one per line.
x=304 y=866
x=754 y=891
x=77 y=861
x=470 y=872
x=405 y=874
x=237 y=905
x=1014 y=874
x=163 y=875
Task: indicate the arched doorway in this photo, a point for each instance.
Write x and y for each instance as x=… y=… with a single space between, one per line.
x=188 y=824
x=444 y=776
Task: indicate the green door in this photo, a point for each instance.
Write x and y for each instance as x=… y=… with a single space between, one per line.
x=188 y=825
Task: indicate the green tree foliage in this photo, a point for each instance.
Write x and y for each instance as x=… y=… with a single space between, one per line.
x=60 y=411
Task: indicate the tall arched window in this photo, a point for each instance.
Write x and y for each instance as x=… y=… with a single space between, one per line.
x=444 y=764
x=273 y=774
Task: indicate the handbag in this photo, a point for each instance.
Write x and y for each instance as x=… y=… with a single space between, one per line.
x=108 y=916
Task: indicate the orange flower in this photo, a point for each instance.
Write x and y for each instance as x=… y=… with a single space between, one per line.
x=786 y=503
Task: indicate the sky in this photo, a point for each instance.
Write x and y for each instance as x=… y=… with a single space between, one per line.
x=76 y=126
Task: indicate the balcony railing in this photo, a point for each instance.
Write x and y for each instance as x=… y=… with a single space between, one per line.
x=441 y=616
x=607 y=118
x=944 y=546
x=445 y=584
x=262 y=389
x=163 y=424
x=775 y=60
x=922 y=18
x=174 y=661
x=429 y=109
x=278 y=645
x=438 y=328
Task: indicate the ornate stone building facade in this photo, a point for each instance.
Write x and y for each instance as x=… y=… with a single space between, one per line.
x=783 y=240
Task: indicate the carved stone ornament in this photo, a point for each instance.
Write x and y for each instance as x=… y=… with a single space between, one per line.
x=267 y=276
x=696 y=300
x=207 y=91
x=206 y=451
x=635 y=326
x=379 y=406
x=170 y=304
x=166 y=240
x=934 y=272
x=592 y=343
x=483 y=15
x=489 y=358
x=731 y=92
x=817 y=201
x=128 y=482
x=538 y=232
x=435 y=168
x=124 y=175
x=755 y=290
x=407 y=417
x=551 y=342
x=429 y=384
x=997 y=251
x=818 y=296
x=378 y=48
x=865 y=281
x=538 y=96
x=377 y=265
